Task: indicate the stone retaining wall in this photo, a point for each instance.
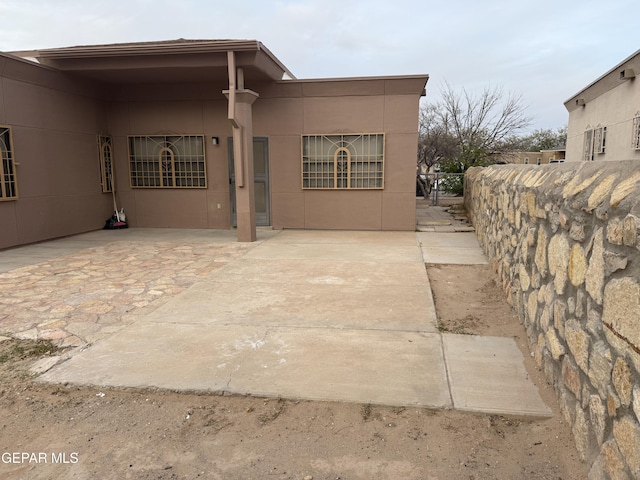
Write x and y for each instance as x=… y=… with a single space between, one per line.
x=564 y=239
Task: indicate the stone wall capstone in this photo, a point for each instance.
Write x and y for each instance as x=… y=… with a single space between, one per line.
x=565 y=242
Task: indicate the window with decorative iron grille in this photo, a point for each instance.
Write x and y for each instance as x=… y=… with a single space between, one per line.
x=348 y=161
x=635 y=139
x=106 y=163
x=599 y=139
x=167 y=161
x=587 y=151
x=8 y=178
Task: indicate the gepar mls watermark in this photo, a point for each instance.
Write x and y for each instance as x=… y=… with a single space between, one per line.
x=68 y=458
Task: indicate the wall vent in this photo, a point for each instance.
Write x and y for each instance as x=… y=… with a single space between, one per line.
x=627 y=74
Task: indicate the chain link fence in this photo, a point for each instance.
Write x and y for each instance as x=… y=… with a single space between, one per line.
x=438 y=186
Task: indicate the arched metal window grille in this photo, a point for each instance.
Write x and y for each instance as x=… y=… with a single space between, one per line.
x=8 y=176
x=167 y=161
x=347 y=161
x=106 y=164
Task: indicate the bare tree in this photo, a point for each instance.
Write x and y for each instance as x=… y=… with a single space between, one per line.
x=436 y=143
x=462 y=129
x=482 y=121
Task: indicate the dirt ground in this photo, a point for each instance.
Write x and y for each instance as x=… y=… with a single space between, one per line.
x=61 y=432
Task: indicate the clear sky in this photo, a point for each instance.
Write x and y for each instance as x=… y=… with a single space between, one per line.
x=546 y=50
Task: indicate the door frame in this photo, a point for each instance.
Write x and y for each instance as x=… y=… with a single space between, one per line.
x=263 y=219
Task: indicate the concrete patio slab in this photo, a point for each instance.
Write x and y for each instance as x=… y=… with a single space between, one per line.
x=347 y=237
x=315 y=272
x=389 y=368
x=174 y=356
x=302 y=305
x=313 y=315
x=337 y=252
x=434 y=223
x=459 y=248
x=487 y=374
x=290 y=281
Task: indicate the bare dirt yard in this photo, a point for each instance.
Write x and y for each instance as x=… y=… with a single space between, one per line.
x=63 y=432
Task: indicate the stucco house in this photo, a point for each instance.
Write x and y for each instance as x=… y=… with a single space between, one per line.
x=199 y=134
x=542 y=157
x=604 y=117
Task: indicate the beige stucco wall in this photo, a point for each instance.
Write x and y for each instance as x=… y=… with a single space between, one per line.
x=192 y=109
x=545 y=157
x=343 y=106
x=54 y=121
x=283 y=113
x=609 y=102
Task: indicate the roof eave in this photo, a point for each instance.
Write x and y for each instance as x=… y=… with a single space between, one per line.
x=149 y=48
x=178 y=47
x=570 y=101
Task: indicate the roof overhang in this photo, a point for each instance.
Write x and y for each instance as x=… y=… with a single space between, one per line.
x=161 y=62
x=608 y=81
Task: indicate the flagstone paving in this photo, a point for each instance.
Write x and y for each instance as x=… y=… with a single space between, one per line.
x=76 y=299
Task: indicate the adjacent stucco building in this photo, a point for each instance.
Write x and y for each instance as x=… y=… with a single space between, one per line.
x=199 y=134
x=604 y=117
x=542 y=157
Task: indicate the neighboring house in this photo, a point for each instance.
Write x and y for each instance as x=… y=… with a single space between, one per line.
x=554 y=155
x=199 y=134
x=543 y=157
x=604 y=117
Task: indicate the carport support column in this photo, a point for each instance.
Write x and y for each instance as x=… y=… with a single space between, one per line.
x=240 y=114
x=245 y=194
